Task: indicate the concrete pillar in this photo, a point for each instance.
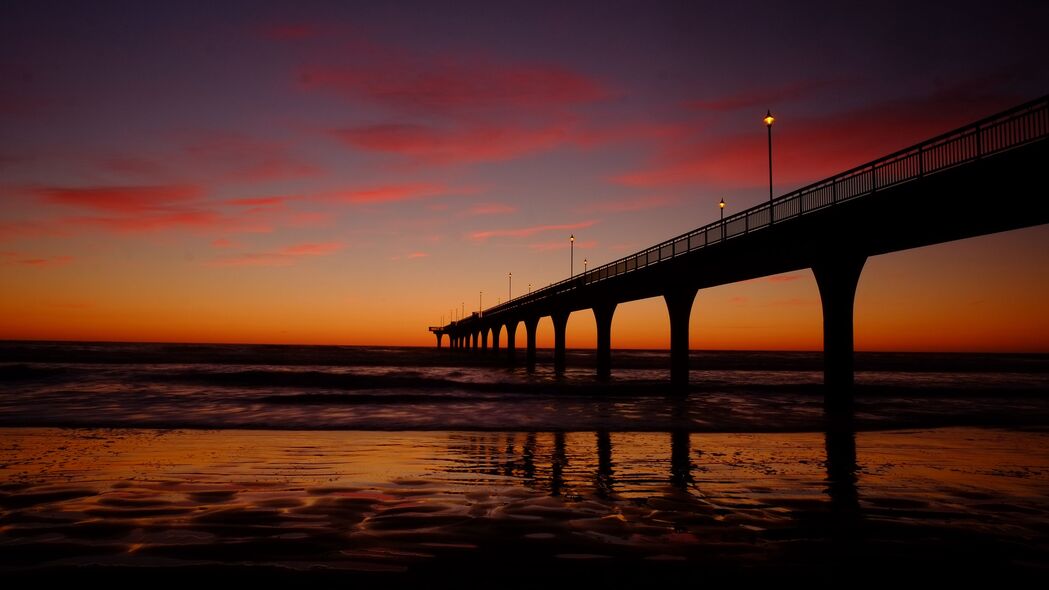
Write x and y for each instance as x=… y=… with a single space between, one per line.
x=511 y=337
x=530 y=326
x=560 y=326
x=679 y=306
x=603 y=314
x=439 y=336
x=495 y=337
x=484 y=339
x=837 y=278
x=475 y=340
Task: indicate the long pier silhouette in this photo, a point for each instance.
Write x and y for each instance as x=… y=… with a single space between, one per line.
x=985 y=177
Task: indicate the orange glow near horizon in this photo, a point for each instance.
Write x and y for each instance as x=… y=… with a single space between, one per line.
x=952 y=297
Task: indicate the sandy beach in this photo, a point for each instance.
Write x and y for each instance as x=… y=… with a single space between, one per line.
x=403 y=506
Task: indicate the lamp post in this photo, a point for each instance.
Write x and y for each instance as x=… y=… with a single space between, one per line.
x=479 y=306
x=769 y=120
x=584 y=265
x=571 y=266
x=510 y=286
x=722 y=206
x=529 y=288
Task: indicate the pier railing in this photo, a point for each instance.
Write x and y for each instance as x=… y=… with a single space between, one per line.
x=998 y=133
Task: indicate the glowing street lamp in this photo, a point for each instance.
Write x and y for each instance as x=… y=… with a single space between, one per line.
x=510 y=286
x=769 y=120
x=479 y=306
x=571 y=266
x=722 y=206
x=529 y=287
x=584 y=265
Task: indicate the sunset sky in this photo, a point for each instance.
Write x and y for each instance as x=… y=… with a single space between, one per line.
x=350 y=173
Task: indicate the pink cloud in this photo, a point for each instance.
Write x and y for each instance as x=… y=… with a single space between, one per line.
x=782 y=278
x=34 y=261
x=202 y=219
x=312 y=249
x=137 y=208
x=223 y=243
x=285 y=256
x=390 y=193
x=808 y=149
x=260 y=201
x=31 y=229
x=523 y=232
x=459 y=144
x=123 y=199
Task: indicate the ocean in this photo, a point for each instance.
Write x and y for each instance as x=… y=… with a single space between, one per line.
x=388 y=388
x=401 y=466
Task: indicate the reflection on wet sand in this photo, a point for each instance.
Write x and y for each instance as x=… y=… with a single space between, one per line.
x=408 y=503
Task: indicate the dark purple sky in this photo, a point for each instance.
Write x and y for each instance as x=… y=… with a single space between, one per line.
x=388 y=156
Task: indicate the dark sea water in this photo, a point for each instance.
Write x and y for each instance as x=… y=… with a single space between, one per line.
x=397 y=467
x=371 y=388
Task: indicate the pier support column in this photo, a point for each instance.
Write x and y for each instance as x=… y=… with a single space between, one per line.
x=530 y=326
x=511 y=337
x=475 y=340
x=560 y=319
x=484 y=339
x=603 y=314
x=495 y=337
x=440 y=335
x=679 y=306
x=837 y=278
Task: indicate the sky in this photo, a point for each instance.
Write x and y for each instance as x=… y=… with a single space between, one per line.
x=351 y=172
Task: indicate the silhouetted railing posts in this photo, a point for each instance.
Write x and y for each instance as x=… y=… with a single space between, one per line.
x=1010 y=129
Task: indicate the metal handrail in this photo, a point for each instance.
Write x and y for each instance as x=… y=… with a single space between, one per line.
x=992 y=135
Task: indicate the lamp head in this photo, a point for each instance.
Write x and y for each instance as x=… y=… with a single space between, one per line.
x=769 y=119
x=722 y=204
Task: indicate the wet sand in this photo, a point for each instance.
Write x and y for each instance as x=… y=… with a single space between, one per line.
x=501 y=509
